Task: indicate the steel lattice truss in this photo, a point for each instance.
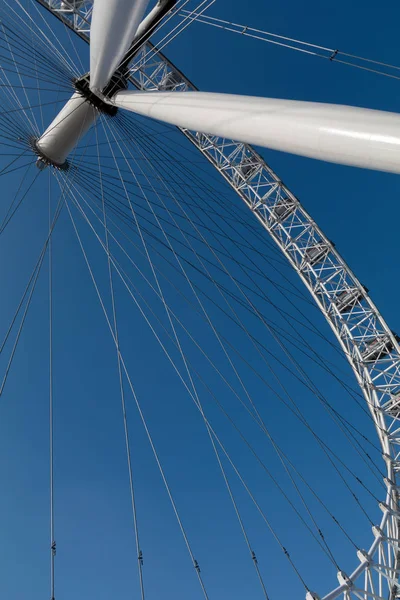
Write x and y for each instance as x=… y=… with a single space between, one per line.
x=370 y=346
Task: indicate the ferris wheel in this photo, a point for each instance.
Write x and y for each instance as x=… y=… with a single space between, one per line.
x=67 y=132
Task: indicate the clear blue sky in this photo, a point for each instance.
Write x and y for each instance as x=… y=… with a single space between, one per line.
x=95 y=543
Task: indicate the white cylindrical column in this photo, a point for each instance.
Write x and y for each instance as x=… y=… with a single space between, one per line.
x=69 y=126
x=346 y=135
x=113 y=27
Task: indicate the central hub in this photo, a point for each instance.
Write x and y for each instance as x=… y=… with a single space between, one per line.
x=74 y=121
x=117 y=83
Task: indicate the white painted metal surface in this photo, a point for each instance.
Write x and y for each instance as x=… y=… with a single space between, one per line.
x=153 y=14
x=114 y=25
x=341 y=134
x=69 y=126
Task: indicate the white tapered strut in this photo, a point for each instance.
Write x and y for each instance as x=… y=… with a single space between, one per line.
x=341 y=134
x=114 y=25
x=64 y=133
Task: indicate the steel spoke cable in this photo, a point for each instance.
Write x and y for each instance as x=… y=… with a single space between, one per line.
x=308 y=382
x=284 y=459
x=158 y=286
x=138 y=132
x=318 y=333
x=41 y=35
x=303 y=293
x=170 y=130
x=46 y=59
x=235 y=299
x=163 y=274
x=17 y=168
x=297 y=366
x=17 y=46
x=31 y=279
x=32 y=87
x=38 y=90
x=313 y=387
x=351 y=441
x=255 y=340
x=64 y=56
x=51 y=417
x=196 y=183
x=296 y=414
x=166 y=237
x=13 y=161
x=14 y=199
x=28 y=303
x=73 y=45
x=127 y=124
x=324 y=445
x=238 y=262
x=9 y=154
x=178 y=290
x=12 y=125
x=30 y=71
x=283 y=313
x=140 y=43
x=9 y=216
x=192 y=384
x=39 y=95
x=292 y=408
x=29 y=75
x=285 y=336
x=258 y=34
x=111 y=187
x=13 y=129
x=30 y=106
x=197 y=398
x=12 y=354
x=171 y=35
x=217 y=439
x=26 y=68
x=247 y=28
x=46 y=67
x=135 y=397
x=284 y=550
x=33 y=123
x=16 y=126
x=17 y=38
x=24 y=295
x=240 y=519
x=139 y=554
x=11 y=132
x=13 y=146
x=111 y=178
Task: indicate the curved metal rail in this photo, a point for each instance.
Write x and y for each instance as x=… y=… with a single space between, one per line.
x=369 y=345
